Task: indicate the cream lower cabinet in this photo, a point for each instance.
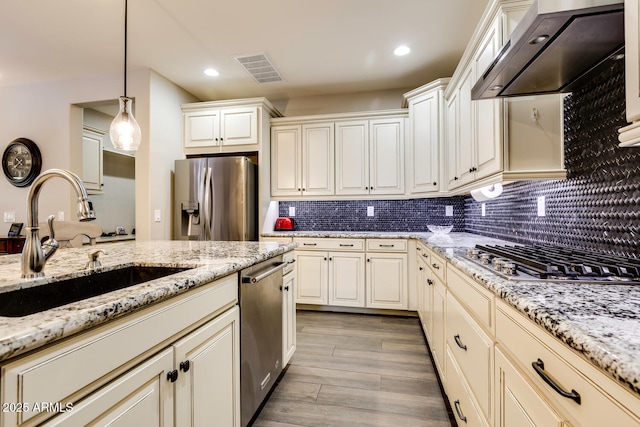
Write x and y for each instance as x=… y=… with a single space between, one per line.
x=387 y=284
x=330 y=272
x=289 y=286
x=133 y=371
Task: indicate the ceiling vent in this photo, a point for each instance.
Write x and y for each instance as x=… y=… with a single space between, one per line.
x=260 y=67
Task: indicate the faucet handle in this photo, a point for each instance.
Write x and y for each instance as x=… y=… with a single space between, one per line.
x=94 y=262
x=51 y=244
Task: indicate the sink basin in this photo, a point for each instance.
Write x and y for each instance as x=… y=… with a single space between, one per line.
x=23 y=302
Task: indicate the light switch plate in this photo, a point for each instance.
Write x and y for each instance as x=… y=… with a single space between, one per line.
x=157 y=215
x=484 y=209
x=60 y=215
x=542 y=209
x=9 y=217
x=292 y=211
x=448 y=210
x=370 y=211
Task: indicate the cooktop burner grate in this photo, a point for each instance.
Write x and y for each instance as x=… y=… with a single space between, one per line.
x=552 y=263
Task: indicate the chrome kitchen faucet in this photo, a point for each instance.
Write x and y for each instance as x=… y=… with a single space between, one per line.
x=34 y=255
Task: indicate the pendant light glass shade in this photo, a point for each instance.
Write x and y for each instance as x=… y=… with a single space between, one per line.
x=124 y=130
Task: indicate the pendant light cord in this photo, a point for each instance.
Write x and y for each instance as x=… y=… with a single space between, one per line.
x=125 y=48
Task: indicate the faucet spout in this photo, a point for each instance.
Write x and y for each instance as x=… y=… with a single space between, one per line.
x=34 y=256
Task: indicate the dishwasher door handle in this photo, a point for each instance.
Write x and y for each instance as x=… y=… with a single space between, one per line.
x=263 y=275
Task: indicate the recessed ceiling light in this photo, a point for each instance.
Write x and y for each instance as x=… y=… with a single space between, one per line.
x=402 y=50
x=211 y=72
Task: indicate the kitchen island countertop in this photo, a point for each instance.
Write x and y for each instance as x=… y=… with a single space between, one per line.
x=207 y=261
x=600 y=321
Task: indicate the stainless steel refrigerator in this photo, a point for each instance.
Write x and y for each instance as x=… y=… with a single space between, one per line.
x=215 y=198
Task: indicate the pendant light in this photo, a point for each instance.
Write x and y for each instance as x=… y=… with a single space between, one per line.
x=124 y=130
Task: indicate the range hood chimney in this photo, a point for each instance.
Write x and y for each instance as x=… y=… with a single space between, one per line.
x=556 y=44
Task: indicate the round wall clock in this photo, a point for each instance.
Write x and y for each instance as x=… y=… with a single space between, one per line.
x=21 y=162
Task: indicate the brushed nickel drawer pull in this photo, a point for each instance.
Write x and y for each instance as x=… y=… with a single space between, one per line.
x=344 y=245
x=459 y=342
x=538 y=366
x=386 y=246
x=309 y=244
x=436 y=266
x=459 y=411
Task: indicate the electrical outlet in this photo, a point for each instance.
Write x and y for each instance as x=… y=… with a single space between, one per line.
x=60 y=215
x=9 y=216
x=484 y=209
x=370 y=211
x=292 y=211
x=157 y=215
x=448 y=210
x=542 y=209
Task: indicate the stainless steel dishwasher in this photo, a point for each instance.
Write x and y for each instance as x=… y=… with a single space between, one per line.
x=260 y=333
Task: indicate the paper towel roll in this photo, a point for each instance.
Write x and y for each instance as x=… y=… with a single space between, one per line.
x=487 y=193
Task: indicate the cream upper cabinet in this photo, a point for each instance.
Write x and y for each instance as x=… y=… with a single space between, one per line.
x=370 y=157
x=630 y=135
x=317 y=159
x=495 y=140
x=230 y=126
x=425 y=137
x=386 y=156
x=221 y=127
x=302 y=160
x=352 y=157
x=356 y=154
x=92 y=160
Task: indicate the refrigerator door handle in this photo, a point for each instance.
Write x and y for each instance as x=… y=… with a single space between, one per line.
x=207 y=203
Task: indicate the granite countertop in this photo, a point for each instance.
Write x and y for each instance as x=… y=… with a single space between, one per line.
x=207 y=261
x=602 y=322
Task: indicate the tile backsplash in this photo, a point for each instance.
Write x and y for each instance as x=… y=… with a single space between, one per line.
x=598 y=205
x=388 y=215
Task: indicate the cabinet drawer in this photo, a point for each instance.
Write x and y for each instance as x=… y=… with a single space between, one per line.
x=531 y=347
x=56 y=373
x=386 y=245
x=438 y=265
x=478 y=301
x=473 y=352
x=290 y=259
x=329 y=244
x=464 y=410
x=422 y=253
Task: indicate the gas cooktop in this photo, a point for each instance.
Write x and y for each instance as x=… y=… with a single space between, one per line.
x=555 y=264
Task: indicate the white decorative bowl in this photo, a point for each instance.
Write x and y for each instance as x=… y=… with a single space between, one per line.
x=440 y=229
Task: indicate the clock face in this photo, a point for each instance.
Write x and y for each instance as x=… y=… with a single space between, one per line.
x=21 y=162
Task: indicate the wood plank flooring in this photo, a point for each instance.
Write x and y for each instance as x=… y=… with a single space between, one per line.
x=357 y=370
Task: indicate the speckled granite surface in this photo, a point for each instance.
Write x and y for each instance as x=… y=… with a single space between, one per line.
x=600 y=321
x=208 y=260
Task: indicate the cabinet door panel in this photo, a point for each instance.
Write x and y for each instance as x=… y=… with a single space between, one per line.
x=286 y=158
x=451 y=138
x=92 y=159
x=209 y=389
x=519 y=404
x=488 y=113
x=386 y=281
x=386 y=170
x=466 y=131
x=318 y=161
x=346 y=279
x=202 y=130
x=142 y=397
x=425 y=135
x=312 y=277
x=438 y=336
x=352 y=158
x=288 y=317
x=239 y=126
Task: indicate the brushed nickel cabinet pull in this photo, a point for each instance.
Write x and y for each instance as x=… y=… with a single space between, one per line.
x=459 y=411
x=459 y=342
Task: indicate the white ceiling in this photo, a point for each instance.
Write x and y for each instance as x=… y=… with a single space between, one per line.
x=318 y=46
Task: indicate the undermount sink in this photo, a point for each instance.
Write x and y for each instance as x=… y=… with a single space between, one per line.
x=26 y=301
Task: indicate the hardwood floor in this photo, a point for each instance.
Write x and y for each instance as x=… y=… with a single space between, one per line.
x=357 y=370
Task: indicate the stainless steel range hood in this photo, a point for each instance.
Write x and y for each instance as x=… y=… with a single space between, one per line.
x=553 y=47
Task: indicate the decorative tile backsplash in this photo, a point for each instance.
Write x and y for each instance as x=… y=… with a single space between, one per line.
x=598 y=206
x=388 y=215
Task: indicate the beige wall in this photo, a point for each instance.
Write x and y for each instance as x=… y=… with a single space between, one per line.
x=45 y=113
